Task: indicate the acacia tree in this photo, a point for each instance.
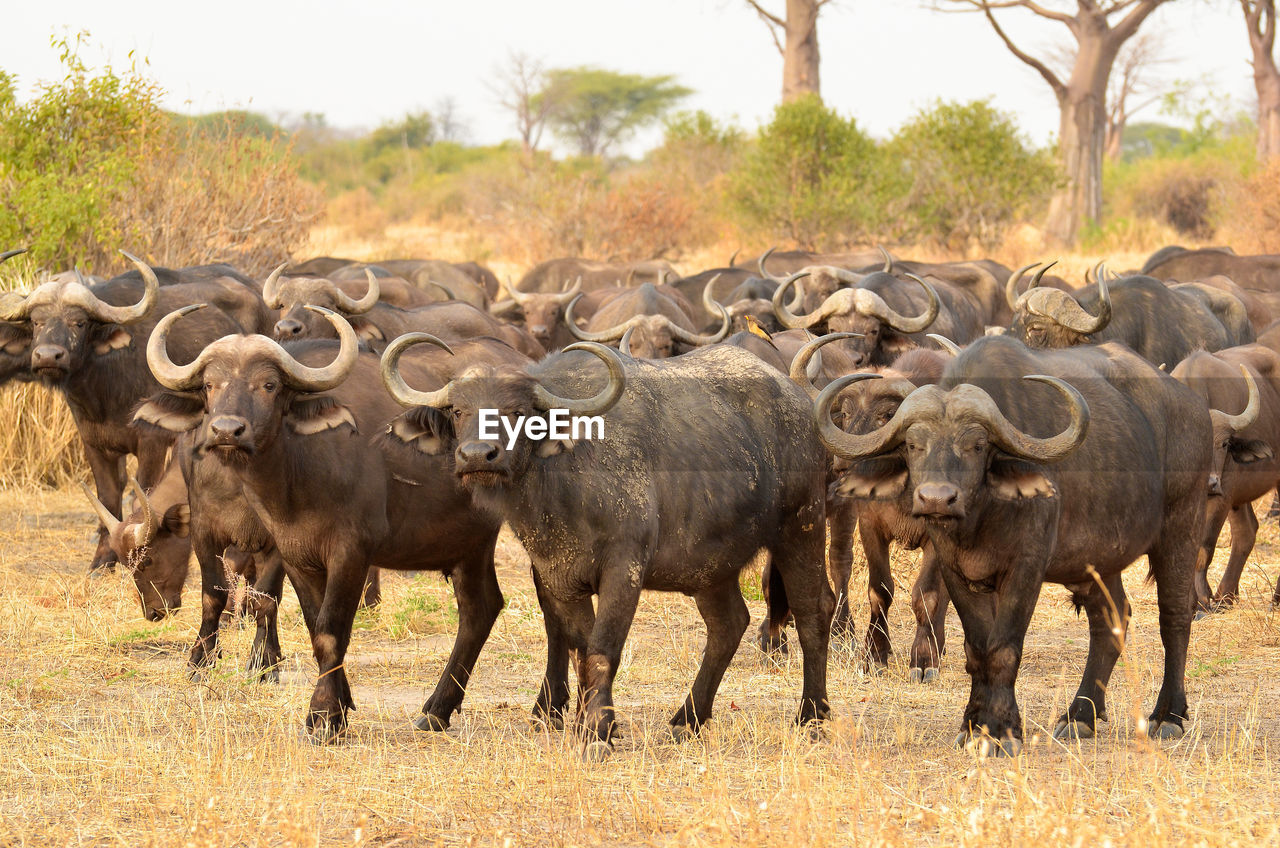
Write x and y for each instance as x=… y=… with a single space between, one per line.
x=1260 y=17
x=597 y=108
x=798 y=46
x=1100 y=29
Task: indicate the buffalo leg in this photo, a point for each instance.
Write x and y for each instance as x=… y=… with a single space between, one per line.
x=929 y=601
x=799 y=561
x=1108 y=610
x=879 y=593
x=340 y=589
x=213 y=600
x=598 y=665
x=773 y=627
x=265 y=655
x=995 y=627
x=1172 y=564
x=727 y=618
x=553 y=695
x=108 y=480
x=1215 y=516
x=1244 y=532
x=1273 y=514
x=841 y=520
x=372 y=589
x=475 y=586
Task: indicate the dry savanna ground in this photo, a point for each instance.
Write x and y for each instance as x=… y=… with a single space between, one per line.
x=108 y=742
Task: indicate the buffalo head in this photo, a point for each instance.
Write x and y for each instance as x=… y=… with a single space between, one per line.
x=292 y=295
x=1046 y=317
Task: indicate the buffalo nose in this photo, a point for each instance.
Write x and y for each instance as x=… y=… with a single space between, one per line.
x=475 y=452
x=288 y=328
x=46 y=355
x=1215 y=484
x=936 y=499
x=155 y=615
x=539 y=331
x=228 y=425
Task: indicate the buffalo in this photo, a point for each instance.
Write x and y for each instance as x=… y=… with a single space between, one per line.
x=654 y=320
x=1008 y=509
x=704 y=460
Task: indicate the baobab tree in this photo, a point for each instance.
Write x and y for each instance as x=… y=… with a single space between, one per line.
x=798 y=45
x=1260 y=16
x=1100 y=29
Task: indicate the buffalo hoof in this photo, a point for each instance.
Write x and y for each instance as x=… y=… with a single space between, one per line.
x=430 y=723
x=923 y=675
x=270 y=674
x=542 y=721
x=322 y=730
x=682 y=733
x=1072 y=730
x=597 y=751
x=984 y=746
x=1166 y=730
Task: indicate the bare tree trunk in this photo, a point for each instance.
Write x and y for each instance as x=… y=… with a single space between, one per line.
x=800 y=59
x=1260 y=15
x=1080 y=142
x=800 y=51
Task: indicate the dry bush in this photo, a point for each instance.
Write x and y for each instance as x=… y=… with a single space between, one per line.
x=220 y=198
x=1250 y=220
x=39 y=445
x=359 y=212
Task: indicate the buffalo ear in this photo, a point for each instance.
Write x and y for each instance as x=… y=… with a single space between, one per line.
x=310 y=415
x=366 y=330
x=177 y=519
x=895 y=344
x=423 y=428
x=1013 y=479
x=882 y=478
x=1245 y=451
x=116 y=338
x=169 y=411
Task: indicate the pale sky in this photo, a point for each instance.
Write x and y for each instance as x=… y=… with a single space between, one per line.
x=364 y=63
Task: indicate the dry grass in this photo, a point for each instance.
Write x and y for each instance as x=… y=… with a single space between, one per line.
x=108 y=742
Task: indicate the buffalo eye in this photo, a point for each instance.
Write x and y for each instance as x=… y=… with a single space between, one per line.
x=457 y=414
x=269 y=388
x=208 y=386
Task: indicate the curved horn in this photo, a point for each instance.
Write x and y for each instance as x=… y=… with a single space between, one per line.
x=903 y=323
x=107 y=313
x=404 y=394
x=888 y=260
x=1011 y=287
x=9 y=254
x=104 y=515
x=145 y=533
x=1074 y=317
x=732 y=257
x=624 y=343
x=271 y=288
x=799 y=370
x=448 y=295
x=1249 y=414
x=1049 y=449
x=709 y=301
x=515 y=294
x=1035 y=281
x=610 y=335
x=350 y=305
x=12 y=304
x=599 y=403
x=944 y=343
x=178 y=378
x=307 y=379
x=764 y=257
x=850 y=445
x=563 y=297
x=699 y=340
x=786 y=317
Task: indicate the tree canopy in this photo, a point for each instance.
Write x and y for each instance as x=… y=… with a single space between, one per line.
x=597 y=108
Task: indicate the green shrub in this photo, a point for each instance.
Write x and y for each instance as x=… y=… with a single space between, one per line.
x=971 y=174
x=812 y=177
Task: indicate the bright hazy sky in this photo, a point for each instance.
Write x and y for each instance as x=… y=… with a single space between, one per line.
x=364 y=63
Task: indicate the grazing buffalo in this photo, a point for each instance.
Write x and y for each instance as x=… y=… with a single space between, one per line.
x=1163 y=324
x=1008 y=508
x=654 y=320
x=92 y=352
x=1241 y=386
x=704 y=460
x=298 y=431
x=290 y=295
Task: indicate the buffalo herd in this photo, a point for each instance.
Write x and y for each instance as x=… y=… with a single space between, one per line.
x=339 y=418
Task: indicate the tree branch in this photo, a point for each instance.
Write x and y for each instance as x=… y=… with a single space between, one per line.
x=1059 y=89
x=1123 y=30
x=768 y=17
